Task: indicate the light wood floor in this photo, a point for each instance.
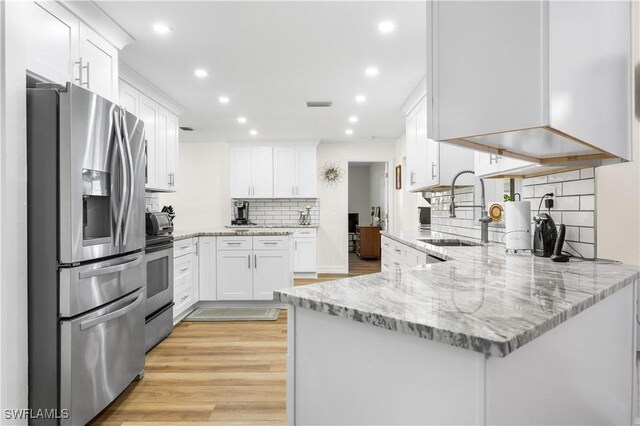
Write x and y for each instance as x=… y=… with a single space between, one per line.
x=215 y=373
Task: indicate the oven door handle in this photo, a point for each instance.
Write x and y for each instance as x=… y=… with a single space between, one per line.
x=112 y=315
x=111 y=269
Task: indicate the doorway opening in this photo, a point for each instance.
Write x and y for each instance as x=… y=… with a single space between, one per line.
x=368 y=214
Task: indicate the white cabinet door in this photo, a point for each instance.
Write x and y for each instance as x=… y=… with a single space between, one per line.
x=262 y=172
x=270 y=272
x=207 y=268
x=422 y=143
x=162 y=174
x=100 y=63
x=410 y=148
x=284 y=172
x=234 y=275
x=172 y=150
x=489 y=165
x=304 y=255
x=130 y=99
x=240 y=171
x=52 y=42
x=148 y=113
x=306 y=172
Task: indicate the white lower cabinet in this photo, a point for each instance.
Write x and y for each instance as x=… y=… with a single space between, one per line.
x=271 y=272
x=401 y=257
x=304 y=255
x=185 y=275
x=234 y=275
x=243 y=267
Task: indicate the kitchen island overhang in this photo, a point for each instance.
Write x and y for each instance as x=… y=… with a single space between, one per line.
x=483 y=338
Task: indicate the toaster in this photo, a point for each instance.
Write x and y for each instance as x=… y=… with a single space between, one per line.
x=159 y=223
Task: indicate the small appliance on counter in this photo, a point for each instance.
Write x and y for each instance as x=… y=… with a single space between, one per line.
x=241 y=213
x=545 y=235
x=159 y=288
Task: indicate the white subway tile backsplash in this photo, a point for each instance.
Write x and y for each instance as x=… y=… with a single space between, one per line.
x=574 y=201
x=281 y=211
x=587 y=202
x=565 y=176
x=577 y=218
x=578 y=187
x=577 y=249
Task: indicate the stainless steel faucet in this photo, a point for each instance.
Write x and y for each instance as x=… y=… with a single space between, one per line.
x=484 y=216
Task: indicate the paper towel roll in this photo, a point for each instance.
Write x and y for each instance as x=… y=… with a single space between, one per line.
x=518 y=225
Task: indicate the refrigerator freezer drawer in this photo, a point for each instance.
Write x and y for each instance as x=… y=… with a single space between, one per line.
x=89 y=286
x=101 y=354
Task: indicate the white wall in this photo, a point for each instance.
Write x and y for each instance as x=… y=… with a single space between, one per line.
x=618 y=186
x=332 y=235
x=405 y=203
x=13 y=211
x=202 y=200
x=359 y=192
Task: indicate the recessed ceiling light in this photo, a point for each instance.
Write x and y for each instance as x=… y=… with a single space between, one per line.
x=223 y=100
x=371 y=71
x=348 y=132
x=200 y=73
x=361 y=99
x=242 y=120
x=386 y=27
x=253 y=132
x=353 y=119
x=161 y=28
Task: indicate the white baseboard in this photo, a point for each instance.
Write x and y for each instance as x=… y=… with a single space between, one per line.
x=305 y=275
x=333 y=269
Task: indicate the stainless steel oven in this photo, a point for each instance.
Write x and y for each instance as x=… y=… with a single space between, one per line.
x=159 y=289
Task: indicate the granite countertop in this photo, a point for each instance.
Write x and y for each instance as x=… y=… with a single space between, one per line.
x=480 y=298
x=315 y=226
x=182 y=234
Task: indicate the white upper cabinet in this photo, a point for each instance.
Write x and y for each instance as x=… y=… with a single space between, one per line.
x=99 y=64
x=61 y=48
x=548 y=82
x=161 y=129
x=251 y=171
x=432 y=165
x=294 y=172
x=494 y=165
x=52 y=39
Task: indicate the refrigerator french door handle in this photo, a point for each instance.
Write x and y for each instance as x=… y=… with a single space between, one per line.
x=127 y=141
x=124 y=188
x=115 y=314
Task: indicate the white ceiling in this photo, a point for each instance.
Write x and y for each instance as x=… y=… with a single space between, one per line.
x=271 y=57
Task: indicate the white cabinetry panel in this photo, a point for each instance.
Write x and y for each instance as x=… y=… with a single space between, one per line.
x=207 y=258
x=235 y=275
x=271 y=272
x=100 y=64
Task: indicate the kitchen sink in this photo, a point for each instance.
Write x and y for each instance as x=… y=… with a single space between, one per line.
x=449 y=243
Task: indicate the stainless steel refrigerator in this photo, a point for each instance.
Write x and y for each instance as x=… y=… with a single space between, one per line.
x=86 y=238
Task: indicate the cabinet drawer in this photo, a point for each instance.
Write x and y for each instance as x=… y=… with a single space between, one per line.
x=183 y=270
x=182 y=301
x=270 y=243
x=235 y=243
x=182 y=247
x=304 y=233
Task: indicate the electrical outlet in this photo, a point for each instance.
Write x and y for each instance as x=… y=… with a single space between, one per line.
x=548 y=203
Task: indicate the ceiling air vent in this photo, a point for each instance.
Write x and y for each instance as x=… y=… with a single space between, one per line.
x=319 y=104
x=186 y=129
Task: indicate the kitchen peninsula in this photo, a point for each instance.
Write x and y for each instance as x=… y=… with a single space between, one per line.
x=481 y=337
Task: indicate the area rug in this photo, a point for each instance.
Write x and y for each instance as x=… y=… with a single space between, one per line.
x=234 y=314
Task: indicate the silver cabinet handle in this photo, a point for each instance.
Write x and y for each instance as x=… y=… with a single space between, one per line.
x=293 y=190
x=184 y=269
x=110 y=269
x=184 y=297
x=255 y=261
x=184 y=247
x=270 y=243
x=87 y=83
x=433 y=173
x=249 y=261
x=233 y=243
x=79 y=64
x=249 y=190
x=112 y=315
x=295 y=243
x=195 y=244
x=411 y=175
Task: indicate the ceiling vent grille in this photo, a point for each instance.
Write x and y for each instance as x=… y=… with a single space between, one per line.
x=186 y=129
x=319 y=104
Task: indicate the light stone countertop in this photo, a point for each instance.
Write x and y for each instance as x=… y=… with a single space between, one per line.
x=480 y=298
x=274 y=226
x=182 y=234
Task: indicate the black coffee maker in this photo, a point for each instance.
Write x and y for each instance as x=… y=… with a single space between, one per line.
x=545 y=235
x=241 y=213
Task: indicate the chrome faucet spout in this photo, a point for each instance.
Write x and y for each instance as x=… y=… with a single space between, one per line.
x=484 y=216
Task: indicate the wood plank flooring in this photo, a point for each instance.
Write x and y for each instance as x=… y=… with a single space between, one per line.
x=216 y=373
